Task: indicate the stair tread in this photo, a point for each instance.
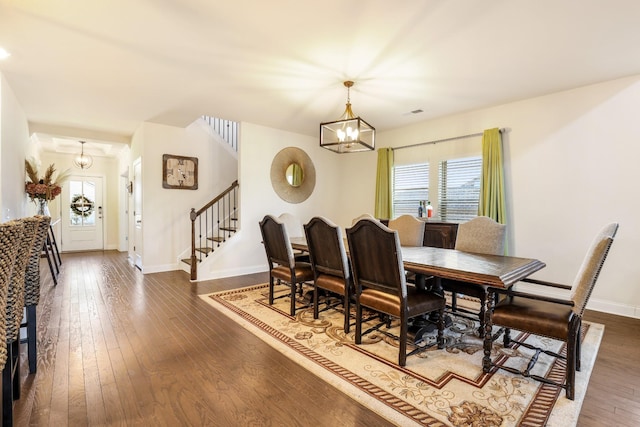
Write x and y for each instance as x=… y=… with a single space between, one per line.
x=205 y=250
x=228 y=228
x=216 y=239
x=187 y=260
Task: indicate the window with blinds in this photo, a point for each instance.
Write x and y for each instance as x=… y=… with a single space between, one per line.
x=459 y=188
x=410 y=186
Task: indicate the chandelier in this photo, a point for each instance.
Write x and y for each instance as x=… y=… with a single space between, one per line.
x=83 y=161
x=349 y=134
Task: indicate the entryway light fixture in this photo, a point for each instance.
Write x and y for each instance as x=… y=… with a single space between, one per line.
x=348 y=134
x=83 y=161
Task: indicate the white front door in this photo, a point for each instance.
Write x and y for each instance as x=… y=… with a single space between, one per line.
x=82 y=214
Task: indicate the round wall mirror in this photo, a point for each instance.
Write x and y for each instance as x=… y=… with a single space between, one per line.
x=293 y=176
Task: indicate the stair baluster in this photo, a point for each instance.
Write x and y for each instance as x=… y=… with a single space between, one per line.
x=224 y=208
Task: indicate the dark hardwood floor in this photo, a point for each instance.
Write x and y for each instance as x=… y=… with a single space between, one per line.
x=119 y=348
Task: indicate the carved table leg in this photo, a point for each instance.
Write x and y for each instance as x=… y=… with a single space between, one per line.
x=488 y=339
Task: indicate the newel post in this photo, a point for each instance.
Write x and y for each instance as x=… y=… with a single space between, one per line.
x=194 y=261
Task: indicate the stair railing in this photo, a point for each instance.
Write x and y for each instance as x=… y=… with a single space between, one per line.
x=212 y=225
x=227 y=129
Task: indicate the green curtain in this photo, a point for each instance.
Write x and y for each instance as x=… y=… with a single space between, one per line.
x=383 y=184
x=492 y=203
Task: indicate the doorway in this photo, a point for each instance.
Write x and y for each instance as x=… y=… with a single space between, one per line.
x=82 y=214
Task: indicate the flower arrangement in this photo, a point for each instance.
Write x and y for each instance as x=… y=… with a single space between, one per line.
x=47 y=187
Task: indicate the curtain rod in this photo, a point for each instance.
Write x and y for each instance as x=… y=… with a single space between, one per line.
x=502 y=130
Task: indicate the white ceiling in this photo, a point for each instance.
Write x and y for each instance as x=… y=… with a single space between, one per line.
x=99 y=68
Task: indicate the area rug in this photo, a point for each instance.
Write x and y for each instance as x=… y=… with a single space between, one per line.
x=437 y=387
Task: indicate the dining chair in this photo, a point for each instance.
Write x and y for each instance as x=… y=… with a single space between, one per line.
x=555 y=318
x=481 y=235
x=10 y=236
x=283 y=266
x=410 y=230
x=13 y=315
x=380 y=284
x=330 y=264
x=358 y=218
x=32 y=290
x=294 y=229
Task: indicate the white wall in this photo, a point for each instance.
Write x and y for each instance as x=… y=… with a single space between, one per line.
x=258 y=147
x=14 y=146
x=571 y=167
x=165 y=212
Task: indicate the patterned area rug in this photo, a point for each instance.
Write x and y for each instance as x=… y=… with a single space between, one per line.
x=437 y=387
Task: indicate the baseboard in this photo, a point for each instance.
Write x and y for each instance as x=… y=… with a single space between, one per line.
x=232 y=272
x=159 y=268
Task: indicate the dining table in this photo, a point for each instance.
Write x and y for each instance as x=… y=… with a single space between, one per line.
x=435 y=264
x=484 y=270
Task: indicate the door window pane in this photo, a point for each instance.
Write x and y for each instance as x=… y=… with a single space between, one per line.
x=82 y=209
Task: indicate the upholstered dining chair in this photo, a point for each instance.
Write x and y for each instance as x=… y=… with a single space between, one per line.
x=556 y=318
x=13 y=315
x=294 y=229
x=283 y=266
x=329 y=263
x=32 y=290
x=358 y=218
x=480 y=235
x=380 y=284
x=410 y=229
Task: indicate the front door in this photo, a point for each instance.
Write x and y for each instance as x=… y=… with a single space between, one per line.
x=82 y=214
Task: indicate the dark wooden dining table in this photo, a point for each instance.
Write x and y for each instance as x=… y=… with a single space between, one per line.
x=483 y=270
x=434 y=264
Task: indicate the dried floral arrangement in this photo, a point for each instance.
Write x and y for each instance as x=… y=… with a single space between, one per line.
x=47 y=187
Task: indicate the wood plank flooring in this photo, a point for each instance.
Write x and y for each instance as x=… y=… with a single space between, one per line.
x=119 y=348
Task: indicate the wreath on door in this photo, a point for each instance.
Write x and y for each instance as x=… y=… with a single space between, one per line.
x=82 y=206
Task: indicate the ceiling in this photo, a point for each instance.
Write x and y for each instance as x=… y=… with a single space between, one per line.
x=95 y=70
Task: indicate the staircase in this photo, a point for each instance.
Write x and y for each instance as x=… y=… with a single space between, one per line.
x=212 y=225
x=227 y=129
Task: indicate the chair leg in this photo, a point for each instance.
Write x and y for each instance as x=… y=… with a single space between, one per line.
x=402 y=359
x=571 y=366
x=7 y=390
x=32 y=340
x=507 y=337
x=292 y=309
x=271 y=284
x=315 y=302
x=454 y=301
x=358 y=337
x=15 y=373
x=578 y=346
x=347 y=314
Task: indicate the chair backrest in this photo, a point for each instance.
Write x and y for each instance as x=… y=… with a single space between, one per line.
x=326 y=248
x=32 y=274
x=590 y=269
x=15 y=292
x=364 y=215
x=292 y=224
x=10 y=238
x=410 y=229
x=481 y=235
x=276 y=242
x=376 y=259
